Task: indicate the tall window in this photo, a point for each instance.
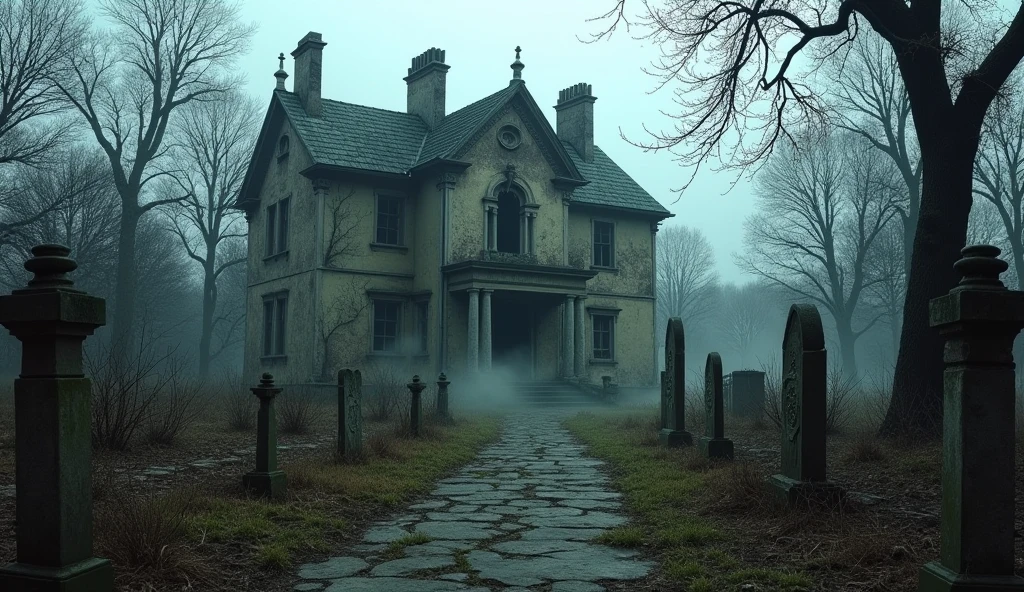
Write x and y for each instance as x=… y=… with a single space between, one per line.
x=604 y=337
x=385 y=325
x=421 y=324
x=509 y=221
x=277 y=227
x=604 y=244
x=275 y=314
x=389 y=220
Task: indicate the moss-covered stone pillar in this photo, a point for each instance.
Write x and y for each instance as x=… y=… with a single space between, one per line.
x=53 y=448
x=979 y=319
x=266 y=480
x=415 y=406
x=350 y=414
x=442 y=398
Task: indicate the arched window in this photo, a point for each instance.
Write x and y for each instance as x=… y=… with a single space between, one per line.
x=282 y=146
x=509 y=217
x=509 y=224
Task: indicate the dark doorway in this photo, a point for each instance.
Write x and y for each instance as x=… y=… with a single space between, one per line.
x=512 y=333
x=508 y=222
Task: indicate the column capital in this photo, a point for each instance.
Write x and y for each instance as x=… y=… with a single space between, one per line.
x=447 y=181
x=472 y=290
x=320 y=185
x=583 y=297
x=570 y=297
x=487 y=290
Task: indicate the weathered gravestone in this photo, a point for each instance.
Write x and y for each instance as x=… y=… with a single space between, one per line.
x=803 y=410
x=266 y=481
x=442 y=398
x=979 y=319
x=746 y=394
x=415 y=406
x=673 y=404
x=53 y=449
x=714 y=444
x=350 y=414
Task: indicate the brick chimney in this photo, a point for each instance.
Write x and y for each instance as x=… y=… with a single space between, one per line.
x=308 y=65
x=426 y=82
x=575 y=119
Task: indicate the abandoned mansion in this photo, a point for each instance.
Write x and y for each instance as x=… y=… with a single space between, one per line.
x=461 y=241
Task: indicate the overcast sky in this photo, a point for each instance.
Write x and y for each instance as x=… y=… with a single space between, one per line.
x=370 y=45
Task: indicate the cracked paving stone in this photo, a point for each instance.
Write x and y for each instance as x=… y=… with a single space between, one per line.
x=576 y=586
x=459 y=531
x=432 y=505
x=308 y=587
x=562 y=534
x=468 y=516
x=398 y=585
x=384 y=534
x=333 y=568
x=411 y=565
x=589 y=504
x=588 y=565
x=588 y=520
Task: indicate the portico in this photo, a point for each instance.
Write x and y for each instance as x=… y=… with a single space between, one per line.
x=522 y=295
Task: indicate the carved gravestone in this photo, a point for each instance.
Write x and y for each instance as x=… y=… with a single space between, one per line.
x=746 y=394
x=673 y=403
x=52 y=447
x=803 y=410
x=415 y=407
x=442 y=411
x=714 y=444
x=979 y=320
x=663 y=383
x=350 y=414
x=266 y=481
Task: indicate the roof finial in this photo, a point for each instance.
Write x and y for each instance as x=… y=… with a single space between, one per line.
x=281 y=75
x=517 y=66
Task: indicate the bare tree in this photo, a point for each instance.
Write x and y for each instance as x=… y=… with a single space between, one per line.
x=736 y=66
x=213 y=143
x=821 y=212
x=159 y=56
x=687 y=278
x=744 y=314
x=888 y=292
x=871 y=101
x=343 y=228
x=37 y=40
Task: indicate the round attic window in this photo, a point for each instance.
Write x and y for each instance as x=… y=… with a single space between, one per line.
x=510 y=137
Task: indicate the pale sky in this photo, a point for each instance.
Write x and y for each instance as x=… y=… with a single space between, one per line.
x=370 y=45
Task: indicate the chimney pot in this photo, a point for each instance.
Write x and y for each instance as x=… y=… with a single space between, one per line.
x=308 y=72
x=426 y=86
x=574 y=114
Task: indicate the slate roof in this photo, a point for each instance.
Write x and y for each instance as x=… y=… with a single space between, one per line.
x=368 y=138
x=609 y=185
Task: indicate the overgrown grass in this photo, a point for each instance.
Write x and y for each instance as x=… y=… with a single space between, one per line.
x=660 y=487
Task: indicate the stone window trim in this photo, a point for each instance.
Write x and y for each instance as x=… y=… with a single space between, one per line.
x=528 y=211
x=609 y=313
x=277 y=229
x=283 y=147
x=407 y=306
x=375 y=240
x=376 y=301
x=274 y=338
x=610 y=267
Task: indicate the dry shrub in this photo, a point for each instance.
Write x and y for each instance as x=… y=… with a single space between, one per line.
x=296 y=409
x=695 y=410
x=693 y=460
x=840 y=393
x=145 y=535
x=772 y=392
x=865 y=449
x=238 y=405
x=381 y=444
x=175 y=406
x=739 y=487
x=388 y=391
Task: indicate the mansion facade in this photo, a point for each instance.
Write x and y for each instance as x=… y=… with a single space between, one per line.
x=459 y=242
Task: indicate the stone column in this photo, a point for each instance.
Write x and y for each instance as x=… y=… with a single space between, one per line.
x=442 y=398
x=979 y=319
x=485 y=330
x=580 y=339
x=568 y=351
x=531 y=224
x=266 y=481
x=415 y=405
x=473 y=331
x=492 y=228
x=52 y=447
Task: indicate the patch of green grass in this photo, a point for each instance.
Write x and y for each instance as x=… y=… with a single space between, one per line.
x=659 y=486
x=396 y=549
x=411 y=469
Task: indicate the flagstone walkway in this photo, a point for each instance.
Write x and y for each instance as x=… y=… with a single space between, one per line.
x=518 y=517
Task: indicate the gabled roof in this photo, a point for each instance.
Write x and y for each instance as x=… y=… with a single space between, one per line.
x=609 y=185
x=356 y=137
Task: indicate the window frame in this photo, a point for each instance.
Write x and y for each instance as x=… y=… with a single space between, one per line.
x=277 y=229
x=274 y=344
x=612 y=314
x=400 y=199
x=270 y=237
x=594 y=244
x=283 y=147
x=375 y=302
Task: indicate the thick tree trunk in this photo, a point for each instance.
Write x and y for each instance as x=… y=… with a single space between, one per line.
x=916 y=407
x=124 y=284
x=847 y=348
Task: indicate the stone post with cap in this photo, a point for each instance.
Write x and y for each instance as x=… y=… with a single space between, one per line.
x=53 y=448
x=266 y=481
x=979 y=319
x=442 y=398
x=415 y=388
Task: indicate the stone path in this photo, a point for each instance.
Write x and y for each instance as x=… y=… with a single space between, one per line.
x=517 y=518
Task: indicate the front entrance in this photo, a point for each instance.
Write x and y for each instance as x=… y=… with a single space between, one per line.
x=512 y=329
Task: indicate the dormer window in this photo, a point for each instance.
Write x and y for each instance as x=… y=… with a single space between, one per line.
x=282 y=147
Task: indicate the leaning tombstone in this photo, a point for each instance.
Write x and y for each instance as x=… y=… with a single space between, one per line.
x=415 y=407
x=979 y=319
x=674 y=432
x=442 y=411
x=804 y=411
x=714 y=444
x=266 y=481
x=52 y=447
x=350 y=414
x=746 y=394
